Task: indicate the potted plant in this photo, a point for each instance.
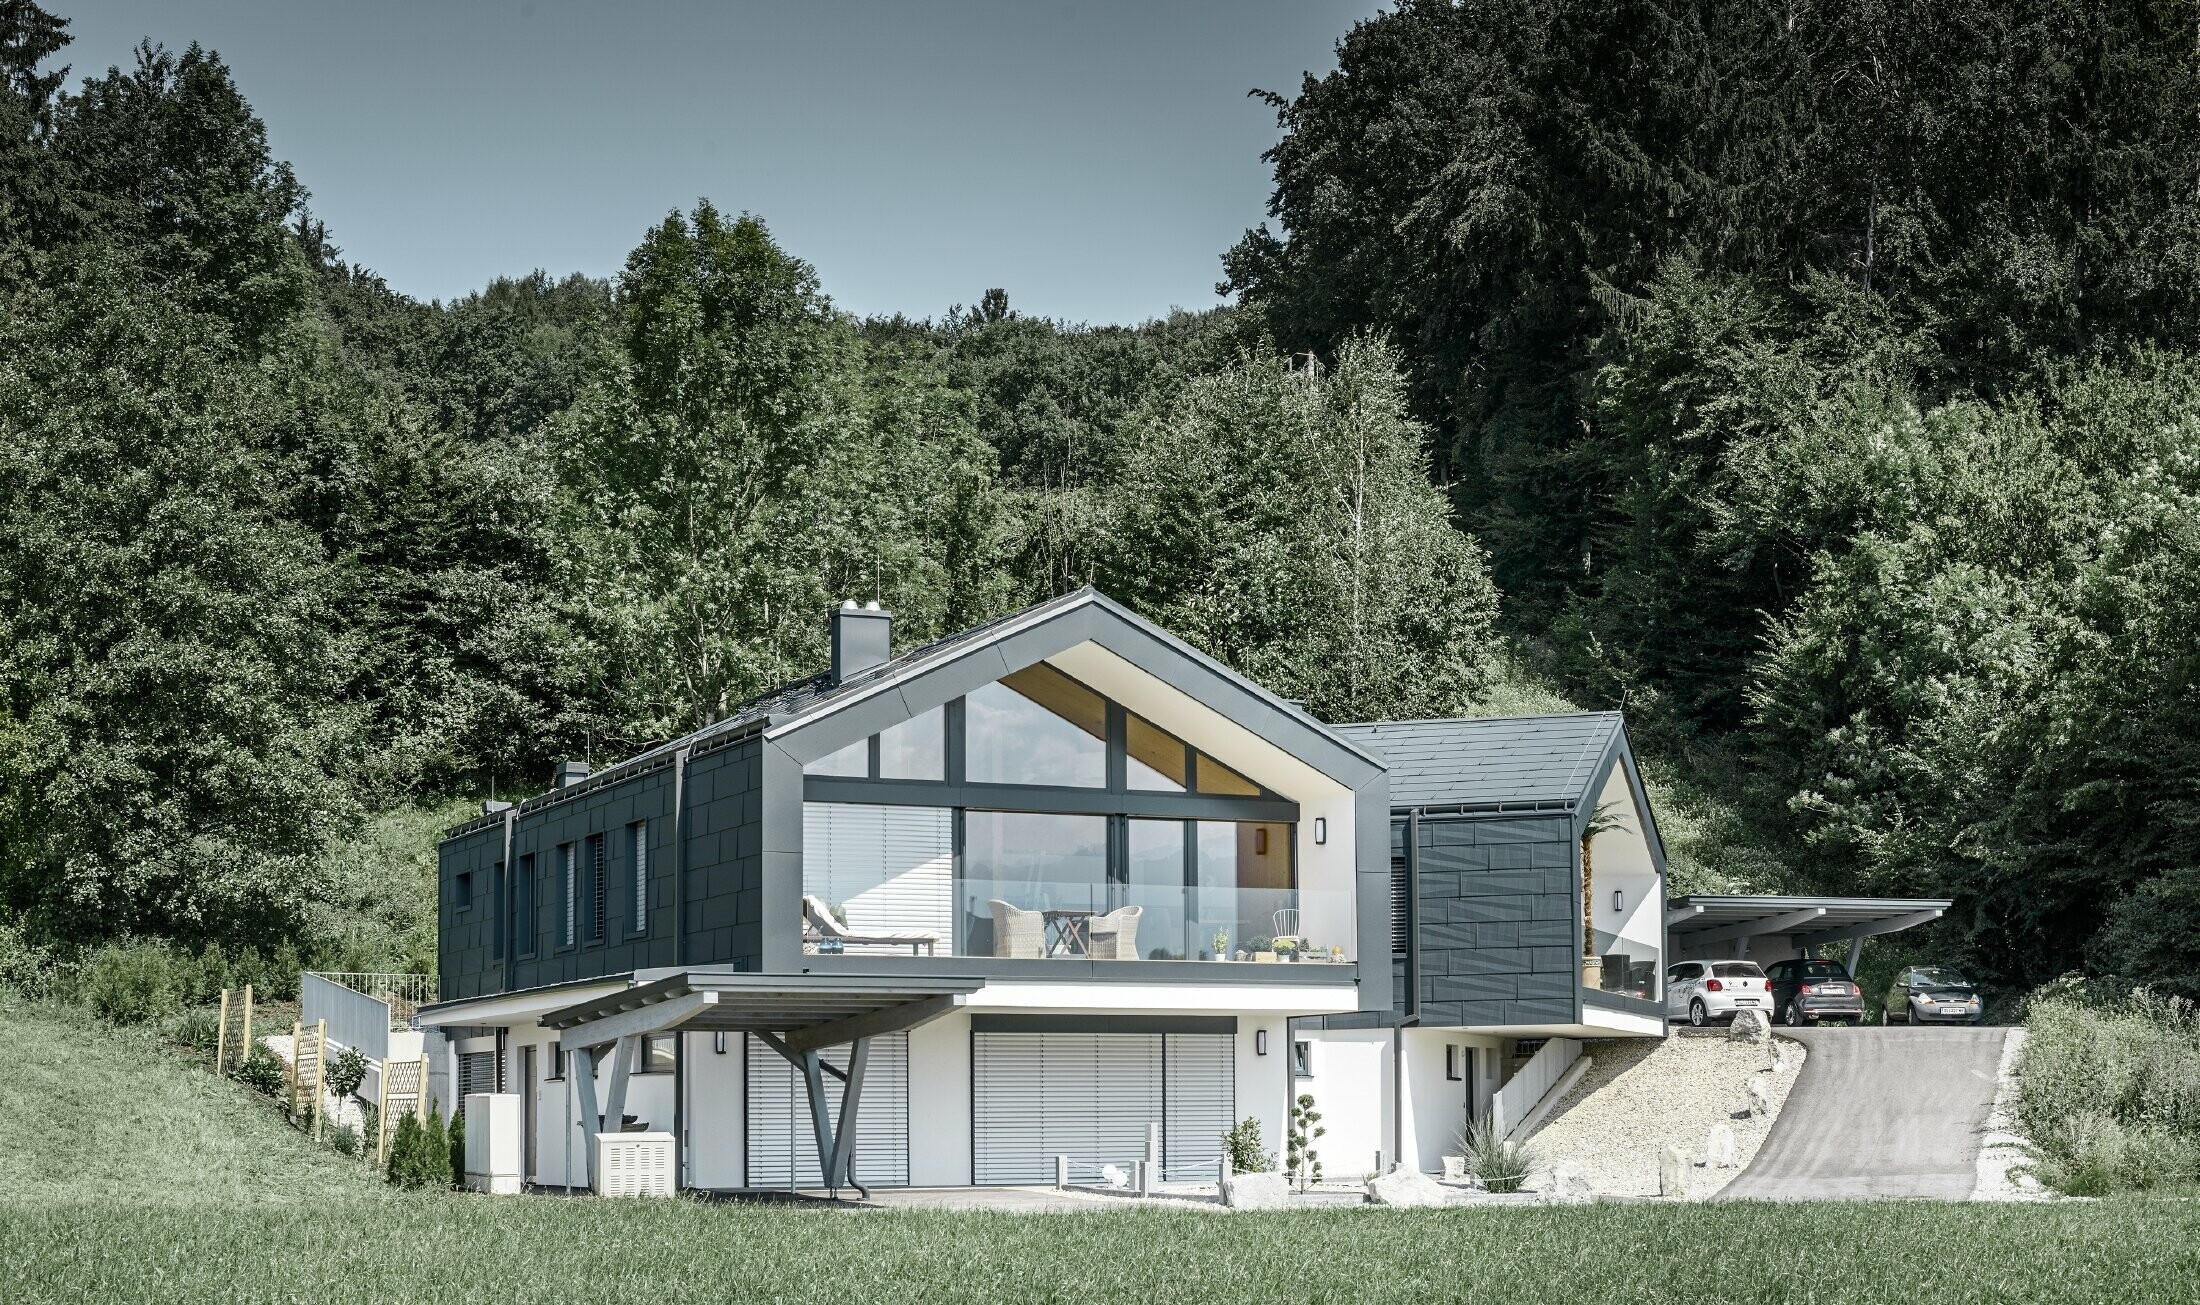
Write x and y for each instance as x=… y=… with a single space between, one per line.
x=1221 y=940
x=1287 y=949
x=1263 y=949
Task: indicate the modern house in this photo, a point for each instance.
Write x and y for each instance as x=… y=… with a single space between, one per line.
x=939 y=918
x=1504 y=835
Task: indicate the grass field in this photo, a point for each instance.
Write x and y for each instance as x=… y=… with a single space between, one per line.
x=126 y=1174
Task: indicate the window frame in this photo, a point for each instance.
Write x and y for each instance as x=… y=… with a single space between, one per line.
x=669 y=1039
x=637 y=852
x=599 y=891
x=569 y=896
x=523 y=907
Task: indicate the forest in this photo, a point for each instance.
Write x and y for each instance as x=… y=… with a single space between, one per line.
x=1817 y=383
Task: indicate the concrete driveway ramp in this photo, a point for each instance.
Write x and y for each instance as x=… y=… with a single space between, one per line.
x=1879 y=1112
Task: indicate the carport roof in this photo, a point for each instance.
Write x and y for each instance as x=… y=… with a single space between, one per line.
x=807 y=1010
x=1811 y=920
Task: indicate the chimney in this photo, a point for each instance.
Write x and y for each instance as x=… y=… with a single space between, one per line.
x=861 y=638
x=569 y=774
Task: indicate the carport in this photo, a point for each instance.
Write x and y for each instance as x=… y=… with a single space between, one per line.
x=797 y=1016
x=1768 y=929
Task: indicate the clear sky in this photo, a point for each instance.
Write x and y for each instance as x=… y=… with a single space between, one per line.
x=1093 y=159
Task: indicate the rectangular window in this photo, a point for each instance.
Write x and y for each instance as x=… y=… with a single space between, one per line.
x=1037 y=726
x=556 y=1063
x=1302 y=1059
x=1452 y=1068
x=499 y=927
x=916 y=748
x=1154 y=759
x=637 y=856
x=597 y=896
x=523 y=908
x=1153 y=880
x=462 y=892
x=657 y=1054
x=569 y=895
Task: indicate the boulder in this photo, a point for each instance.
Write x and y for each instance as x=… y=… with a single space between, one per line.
x=1406 y=1189
x=1750 y=1026
x=1673 y=1171
x=1760 y=1100
x=1718 y=1149
x=1564 y=1185
x=1269 y=1191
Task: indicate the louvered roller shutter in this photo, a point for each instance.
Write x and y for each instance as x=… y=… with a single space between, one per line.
x=1200 y=1091
x=782 y=1146
x=1088 y=1096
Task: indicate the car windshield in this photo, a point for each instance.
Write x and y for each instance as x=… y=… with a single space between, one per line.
x=1940 y=976
x=1737 y=970
x=1821 y=970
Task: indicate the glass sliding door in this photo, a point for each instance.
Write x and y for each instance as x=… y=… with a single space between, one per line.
x=1031 y=883
x=1154 y=869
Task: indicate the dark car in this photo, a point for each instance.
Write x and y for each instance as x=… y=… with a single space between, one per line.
x=1807 y=991
x=1933 y=994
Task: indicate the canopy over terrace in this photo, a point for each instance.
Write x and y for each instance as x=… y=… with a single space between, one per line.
x=1701 y=927
x=797 y=1016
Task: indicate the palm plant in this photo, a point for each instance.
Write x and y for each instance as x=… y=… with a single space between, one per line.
x=1606 y=818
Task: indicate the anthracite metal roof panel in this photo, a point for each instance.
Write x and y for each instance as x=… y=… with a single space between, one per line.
x=1491 y=762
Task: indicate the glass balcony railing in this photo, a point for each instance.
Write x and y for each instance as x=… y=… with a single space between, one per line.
x=1084 y=921
x=1626 y=966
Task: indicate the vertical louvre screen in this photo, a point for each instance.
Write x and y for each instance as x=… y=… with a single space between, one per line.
x=638 y=856
x=1088 y=1096
x=890 y=868
x=477 y=1072
x=782 y=1147
x=596 y=878
x=1400 y=918
x=1200 y=1085
x=570 y=899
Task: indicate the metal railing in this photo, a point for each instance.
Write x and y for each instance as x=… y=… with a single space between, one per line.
x=404 y=994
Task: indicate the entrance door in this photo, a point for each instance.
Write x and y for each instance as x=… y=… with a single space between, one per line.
x=527 y=1113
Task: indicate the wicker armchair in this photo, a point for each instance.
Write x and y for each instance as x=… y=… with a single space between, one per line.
x=1017 y=933
x=1114 y=936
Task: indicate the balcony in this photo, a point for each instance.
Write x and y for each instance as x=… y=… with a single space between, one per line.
x=1083 y=920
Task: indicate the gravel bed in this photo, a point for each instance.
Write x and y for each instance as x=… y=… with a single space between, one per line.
x=1640 y=1096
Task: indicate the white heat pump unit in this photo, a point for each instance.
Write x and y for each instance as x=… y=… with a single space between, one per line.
x=634 y=1164
x=492 y=1142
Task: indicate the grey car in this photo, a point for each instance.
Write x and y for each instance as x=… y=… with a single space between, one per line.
x=1933 y=994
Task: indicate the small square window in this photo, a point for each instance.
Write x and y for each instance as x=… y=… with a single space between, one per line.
x=1452 y=1068
x=659 y=1053
x=462 y=891
x=557 y=1062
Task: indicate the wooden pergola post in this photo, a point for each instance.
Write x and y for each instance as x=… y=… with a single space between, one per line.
x=221 y=1035
x=244 y=1041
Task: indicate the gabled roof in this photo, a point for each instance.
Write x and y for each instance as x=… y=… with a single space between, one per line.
x=1525 y=760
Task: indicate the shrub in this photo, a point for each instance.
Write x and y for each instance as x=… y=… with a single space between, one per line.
x=346 y=1072
x=197 y=1028
x=1242 y=1145
x=1501 y=1164
x=345 y=1138
x=24 y=965
x=456 y=1144
x=262 y=1071
x=133 y=982
x=419 y=1154
x=2109 y=1090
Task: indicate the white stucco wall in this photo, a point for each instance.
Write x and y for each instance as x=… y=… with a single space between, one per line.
x=939 y=1103
x=716 y=1133
x=1351 y=1087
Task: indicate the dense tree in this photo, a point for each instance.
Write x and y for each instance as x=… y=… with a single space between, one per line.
x=1283 y=520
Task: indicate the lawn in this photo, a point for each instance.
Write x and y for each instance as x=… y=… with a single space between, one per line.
x=179 y=1188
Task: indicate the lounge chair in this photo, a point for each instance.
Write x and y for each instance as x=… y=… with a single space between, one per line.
x=1017 y=933
x=818 y=920
x=1114 y=936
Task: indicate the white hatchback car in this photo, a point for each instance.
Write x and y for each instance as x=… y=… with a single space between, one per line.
x=1704 y=991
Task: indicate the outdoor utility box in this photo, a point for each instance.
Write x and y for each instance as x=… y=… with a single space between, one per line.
x=634 y=1164
x=492 y=1143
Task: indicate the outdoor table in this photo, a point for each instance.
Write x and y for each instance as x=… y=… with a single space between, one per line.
x=1068 y=924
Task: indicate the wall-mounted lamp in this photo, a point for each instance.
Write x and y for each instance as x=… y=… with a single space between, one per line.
x=1619 y=900
x=718 y=1042
x=1321 y=829
x=1260 y=1042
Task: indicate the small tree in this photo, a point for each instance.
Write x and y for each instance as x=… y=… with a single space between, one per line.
x=456 y=1147
x=1303 y=1161
x=347 y=1072
x=419 y=1154
x=1242 y=1145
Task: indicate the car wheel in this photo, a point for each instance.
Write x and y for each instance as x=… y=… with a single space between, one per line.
x=1697 y=1015
x=1791 y=1015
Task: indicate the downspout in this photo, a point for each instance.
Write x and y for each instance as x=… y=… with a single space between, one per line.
x=679 y=856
